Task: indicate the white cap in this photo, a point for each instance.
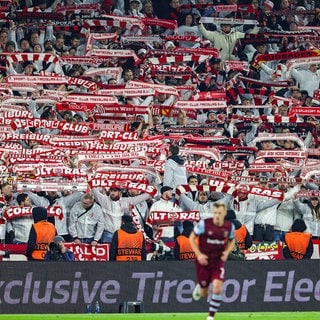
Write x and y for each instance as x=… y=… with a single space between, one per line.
x=269 y=4
x=169 y=44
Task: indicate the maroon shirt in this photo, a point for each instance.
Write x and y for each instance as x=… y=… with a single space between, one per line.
x=213 y=239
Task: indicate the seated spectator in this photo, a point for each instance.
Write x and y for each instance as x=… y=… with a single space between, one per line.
x=58 y=252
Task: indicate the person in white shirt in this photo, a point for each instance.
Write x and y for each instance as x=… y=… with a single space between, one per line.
x=165 y=204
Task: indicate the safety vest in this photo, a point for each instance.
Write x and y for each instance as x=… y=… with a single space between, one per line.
x=45 y=233
x=297 y=243
x=240 y=235
x=129 y=246
x=186 y=252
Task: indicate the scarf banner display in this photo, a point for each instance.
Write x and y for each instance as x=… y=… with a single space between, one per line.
x=89 y=99
x=123 y=184
x=178 y=59
x=146 y=171
x=231 y=21
x=164 y=23
x=308 y=194
x=92 y=24
x=35 y=13
x=85 y=60
x=201 y=104
x=49 y=79
x=88 y=157
x=115 y=53
x=287 y=55
x=281 y=84
x=13 y=212
x=59 y=171
x=164 y=217
x=111 y=72
x=216 y=186
x=245 y=188
x=159 y=88
x=79 y=128
x=265 y=167
x=127 y=92
x=308 y=173
x=134 y=21
x=281 y=154
x=236 y=65
x=51 y=185
x=178 y=37
x=87 y=252
x=100 y=36
x=120 y=176
x=77 y=7
x=120 y=109
x=22 y=57
x=208 y=95
x=210 y=153
x=305 y=111
x=261 y=38
x=168 y=70
x=224 y=175
x=279 y=136
x=136 y=38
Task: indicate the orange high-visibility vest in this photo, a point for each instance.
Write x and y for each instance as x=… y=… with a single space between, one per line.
x=297 y=243
x=186 y=252
x=240 y=235
x=45 y=233
x=129 y=246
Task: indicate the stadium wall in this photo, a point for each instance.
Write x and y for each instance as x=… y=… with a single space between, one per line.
x=164 y=286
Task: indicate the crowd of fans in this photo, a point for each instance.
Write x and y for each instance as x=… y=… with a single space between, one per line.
x=156 y=110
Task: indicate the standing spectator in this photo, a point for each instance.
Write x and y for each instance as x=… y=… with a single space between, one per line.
x=174 y=169
x=307 y=79
x=58 y=252
x=188 y=28
x=224 y=40
x=114 y=207
x=164 y=204
x=41 y=234
x=65 y=201
x=298 y=244
x=201 y=204
x=286 y=211
x=6 y=191
x=310 y=212
x=216 y=241
x=86 y=221
x=18 y=229
x=128 y=243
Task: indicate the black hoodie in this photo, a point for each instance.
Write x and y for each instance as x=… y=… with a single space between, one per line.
x=177 y=158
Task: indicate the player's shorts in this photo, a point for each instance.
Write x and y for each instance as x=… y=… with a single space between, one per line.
x=206 y=274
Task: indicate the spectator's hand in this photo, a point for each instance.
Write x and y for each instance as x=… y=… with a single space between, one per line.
x=94 y=243
x=77 y=241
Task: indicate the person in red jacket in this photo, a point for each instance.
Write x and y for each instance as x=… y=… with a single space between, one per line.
x=298 y=244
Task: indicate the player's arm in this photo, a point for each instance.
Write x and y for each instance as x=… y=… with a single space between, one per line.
x=229 y=248
x=230 y=245
x=201 y=257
